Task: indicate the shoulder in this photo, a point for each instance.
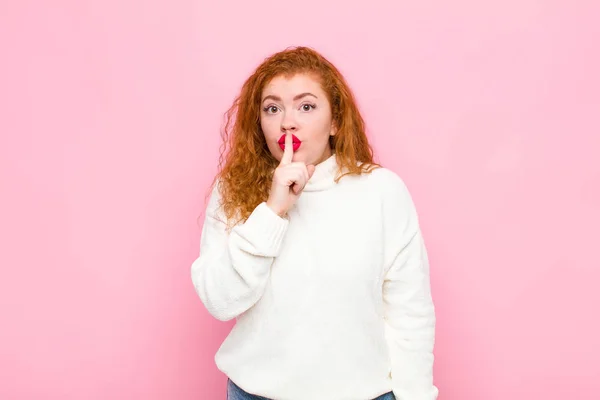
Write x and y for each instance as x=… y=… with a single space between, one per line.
x=385 y=175
x=385 y=180
x=214 y=206
x=391 y=190
x=376 y=179
x=374 y=175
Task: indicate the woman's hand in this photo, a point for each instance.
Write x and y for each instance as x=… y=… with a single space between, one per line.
x=289 y=180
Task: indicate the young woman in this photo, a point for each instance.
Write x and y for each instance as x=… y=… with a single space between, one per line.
x=314 y=249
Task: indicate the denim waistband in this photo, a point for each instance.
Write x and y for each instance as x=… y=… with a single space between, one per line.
x=234 y=392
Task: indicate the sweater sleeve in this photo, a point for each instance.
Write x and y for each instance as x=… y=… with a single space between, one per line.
x=409 y=309
x=233 y=268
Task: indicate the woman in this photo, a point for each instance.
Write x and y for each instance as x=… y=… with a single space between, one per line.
x=313 y=248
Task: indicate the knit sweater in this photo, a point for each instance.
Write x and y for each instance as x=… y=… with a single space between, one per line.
x=332 y=301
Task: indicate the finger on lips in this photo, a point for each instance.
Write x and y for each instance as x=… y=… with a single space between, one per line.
x=288 y=151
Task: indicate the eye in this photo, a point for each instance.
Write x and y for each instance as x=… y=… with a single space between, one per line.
x=270 y=109
x=308 y=107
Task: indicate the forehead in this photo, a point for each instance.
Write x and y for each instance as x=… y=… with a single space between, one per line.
x=289 y=86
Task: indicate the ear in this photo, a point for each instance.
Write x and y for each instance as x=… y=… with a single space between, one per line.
x=333 y=129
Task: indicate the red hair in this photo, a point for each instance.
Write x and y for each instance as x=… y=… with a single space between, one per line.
x=246 y=164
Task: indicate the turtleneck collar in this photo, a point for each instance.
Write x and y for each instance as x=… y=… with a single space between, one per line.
x=324 y=176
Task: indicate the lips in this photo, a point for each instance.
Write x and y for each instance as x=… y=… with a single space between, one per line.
x=295 y=142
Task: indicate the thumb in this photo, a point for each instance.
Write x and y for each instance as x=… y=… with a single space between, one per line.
x=311 y=170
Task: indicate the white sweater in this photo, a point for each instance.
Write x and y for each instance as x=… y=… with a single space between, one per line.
x=332 y=302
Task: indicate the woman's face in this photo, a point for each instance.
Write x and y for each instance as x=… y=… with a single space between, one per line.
x=298 y=105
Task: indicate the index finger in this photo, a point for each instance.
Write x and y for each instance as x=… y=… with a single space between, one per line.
x=288 y=151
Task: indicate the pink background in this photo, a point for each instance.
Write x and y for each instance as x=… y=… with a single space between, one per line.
x=109 y=118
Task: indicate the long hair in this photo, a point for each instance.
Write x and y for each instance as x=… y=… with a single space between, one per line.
x=246 y=165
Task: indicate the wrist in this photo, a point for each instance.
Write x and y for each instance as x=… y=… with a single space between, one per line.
x=281 y=213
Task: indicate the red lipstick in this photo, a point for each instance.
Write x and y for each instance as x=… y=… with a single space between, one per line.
x=295 y=142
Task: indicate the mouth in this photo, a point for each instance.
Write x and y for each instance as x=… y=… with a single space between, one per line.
x=295 y=142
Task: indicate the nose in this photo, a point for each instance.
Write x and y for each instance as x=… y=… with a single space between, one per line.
x=288 y=123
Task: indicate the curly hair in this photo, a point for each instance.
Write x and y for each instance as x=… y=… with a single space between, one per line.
x=246 y=165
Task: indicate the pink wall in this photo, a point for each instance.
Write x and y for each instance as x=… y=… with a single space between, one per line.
x=109 y=116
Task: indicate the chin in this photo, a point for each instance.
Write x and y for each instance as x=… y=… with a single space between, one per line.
x=300 y=156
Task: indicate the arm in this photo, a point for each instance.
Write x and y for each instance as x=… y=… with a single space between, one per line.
x=233 y=268
x=409 y=309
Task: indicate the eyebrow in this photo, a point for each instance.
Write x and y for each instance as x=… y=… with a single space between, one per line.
x=297 y=97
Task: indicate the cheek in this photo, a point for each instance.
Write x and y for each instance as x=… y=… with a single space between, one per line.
x=269 y=127
x=321 y=125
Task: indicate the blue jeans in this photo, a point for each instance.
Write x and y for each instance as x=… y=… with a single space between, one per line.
x=234 y=392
